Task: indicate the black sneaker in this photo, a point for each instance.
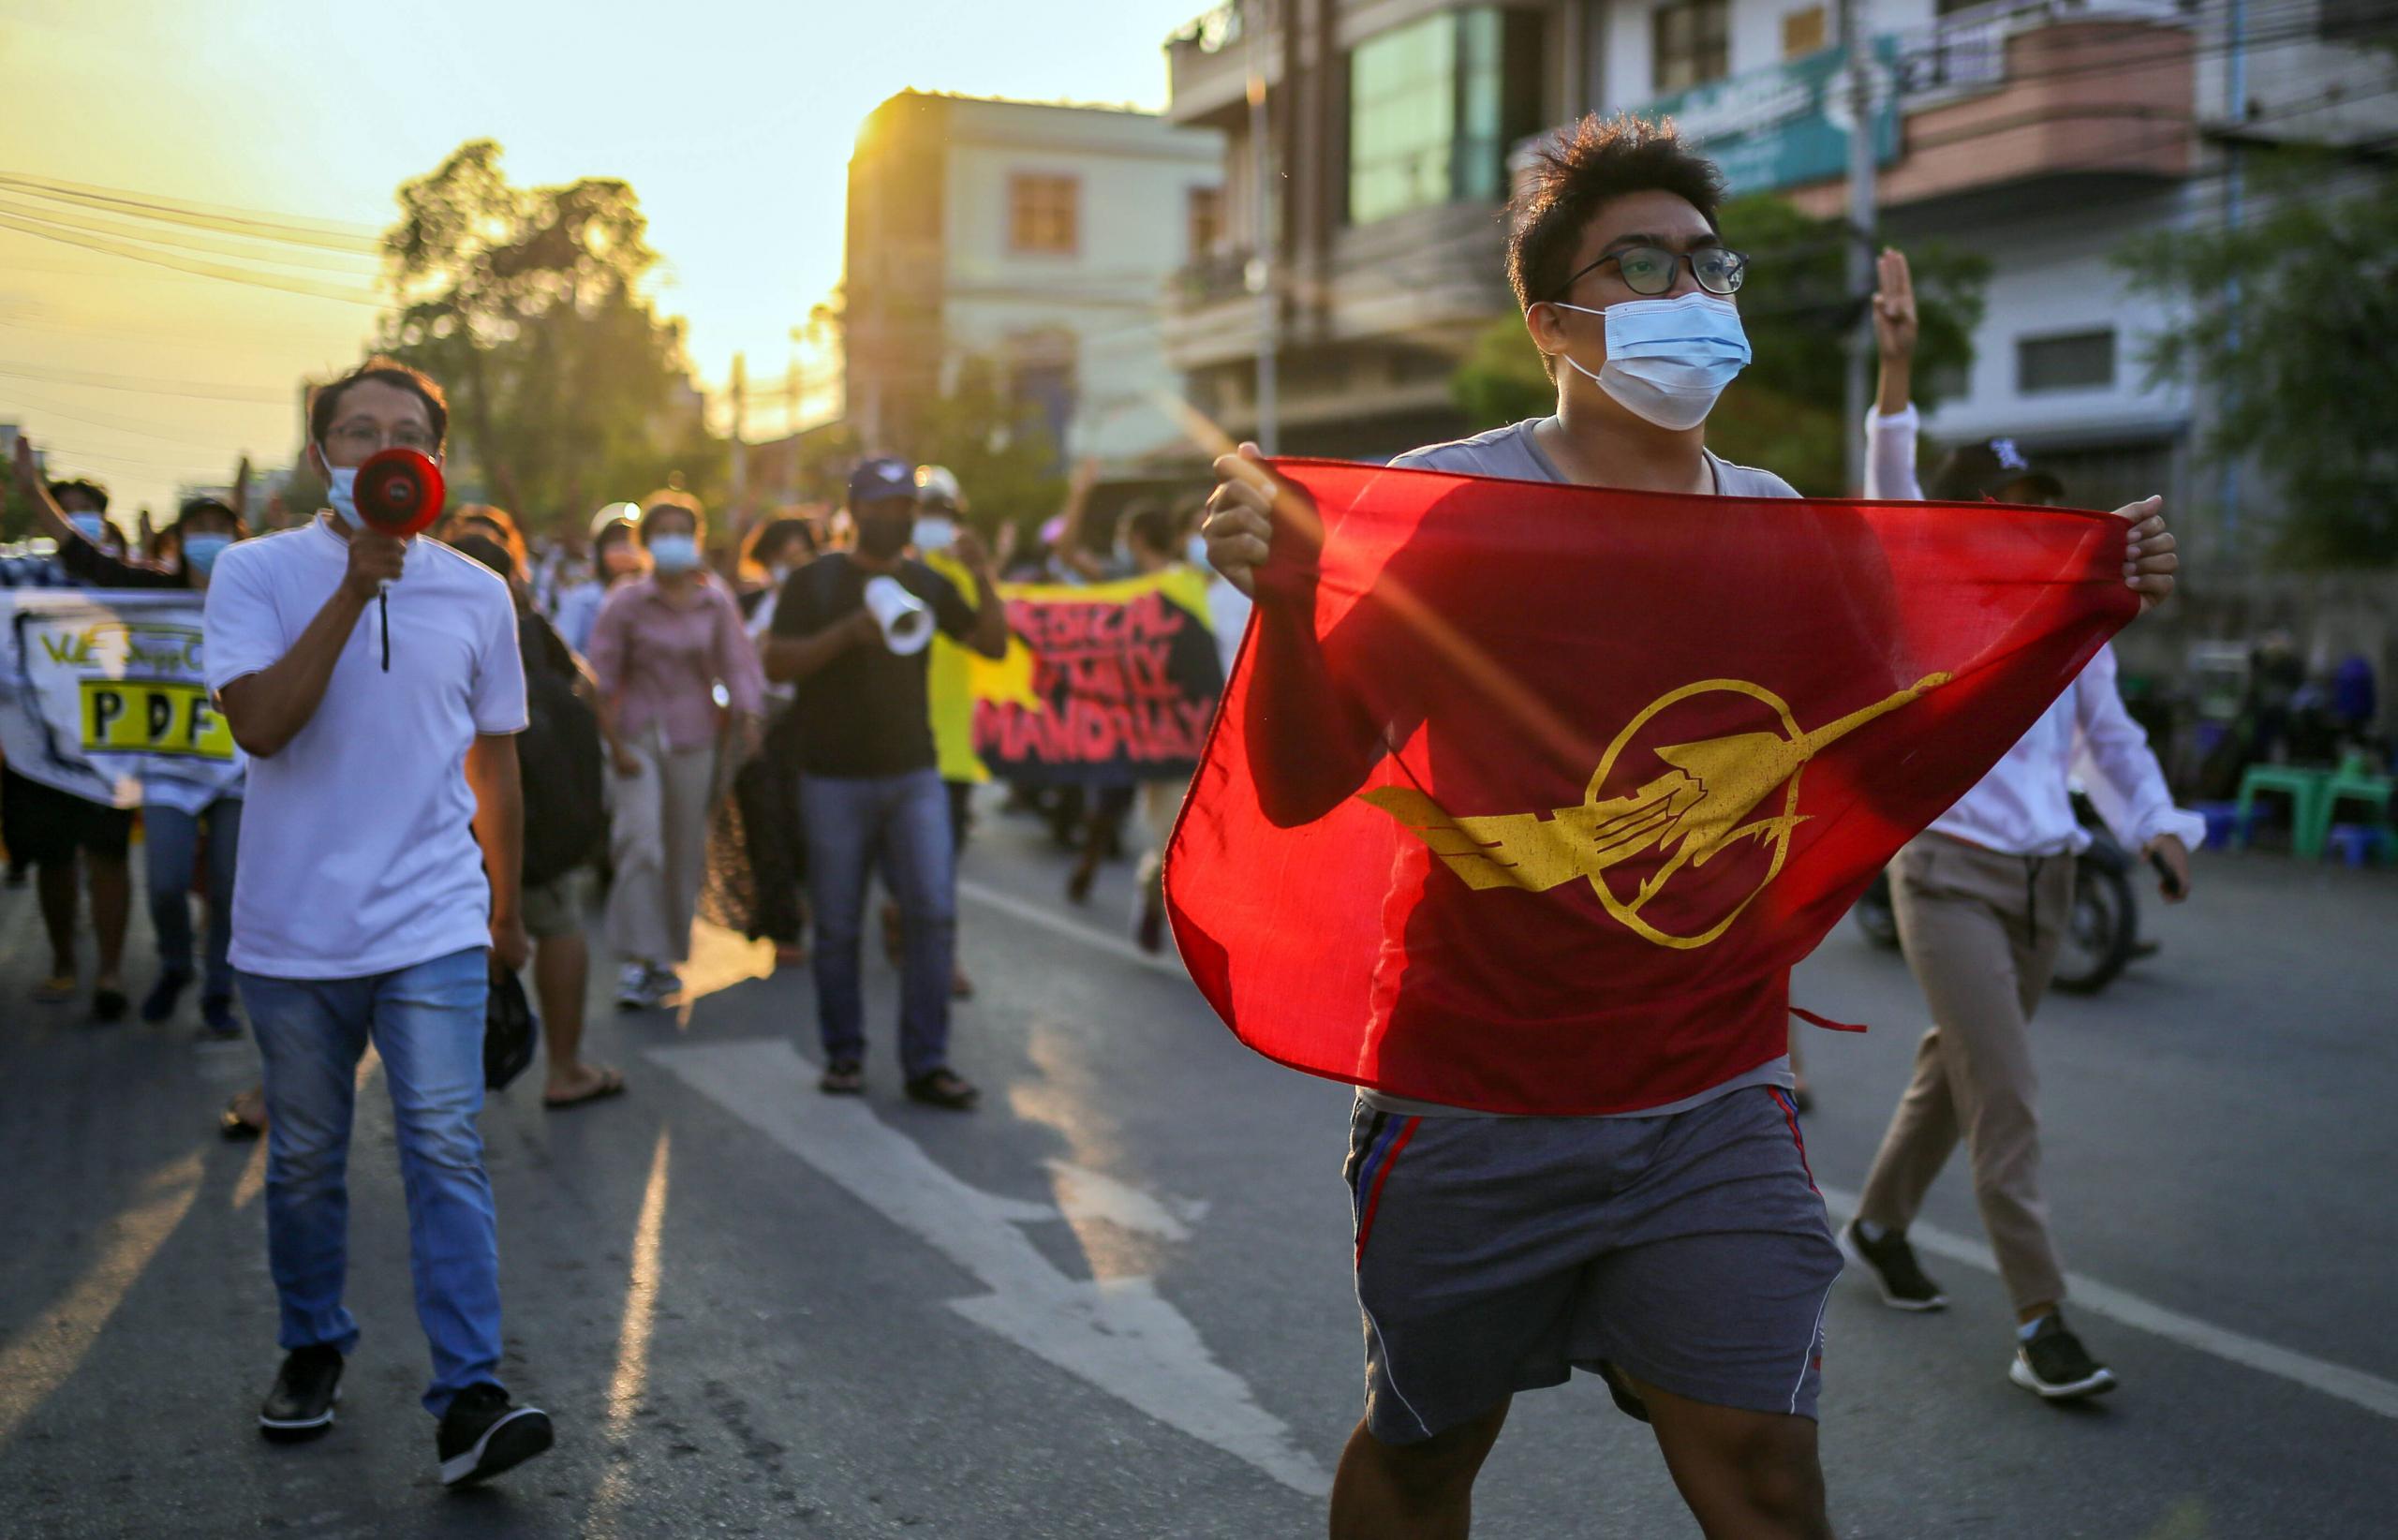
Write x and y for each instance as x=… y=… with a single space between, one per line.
x=159 y=1003
x=2054 y=1365
x=217 y=1022
x=300 y=1405
x=943 y=1088
x=1891 y=1261
x=484 y=1434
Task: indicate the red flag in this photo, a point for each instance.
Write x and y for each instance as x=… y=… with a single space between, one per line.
x=1571 y=778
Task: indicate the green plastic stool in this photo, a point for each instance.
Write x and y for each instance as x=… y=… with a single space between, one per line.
x=2351 y=783
x=2304 y=788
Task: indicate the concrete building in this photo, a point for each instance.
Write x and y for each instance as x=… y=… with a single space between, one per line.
x=2041 y=133
x=1040 y=237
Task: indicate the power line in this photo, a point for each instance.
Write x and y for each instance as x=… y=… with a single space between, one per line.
x=131 y=382
x=324 y=235
x=184 y=264
x=214 y=247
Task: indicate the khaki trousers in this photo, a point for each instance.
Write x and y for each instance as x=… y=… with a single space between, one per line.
x=1980 y=931
x=657 y=839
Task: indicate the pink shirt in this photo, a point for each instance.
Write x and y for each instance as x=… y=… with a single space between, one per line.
x=659 y=664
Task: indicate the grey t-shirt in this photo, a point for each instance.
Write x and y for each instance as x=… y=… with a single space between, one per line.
x=1514 y=452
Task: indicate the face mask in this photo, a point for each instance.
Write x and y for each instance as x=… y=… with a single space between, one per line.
x=935 y=532
x=90 y=525
x=202 y=551
x=672 y=554
x=341 y=491
x=1668 y=359
x=780 y=573
x=882 y=536
x=1194 y=551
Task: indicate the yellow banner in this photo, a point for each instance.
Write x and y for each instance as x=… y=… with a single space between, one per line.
x=153 y=717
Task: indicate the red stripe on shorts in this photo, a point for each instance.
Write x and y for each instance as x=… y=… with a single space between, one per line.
x=1374 y=1200
x=1790 y=1116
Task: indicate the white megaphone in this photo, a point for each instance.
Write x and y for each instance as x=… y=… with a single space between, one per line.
x=906 y=624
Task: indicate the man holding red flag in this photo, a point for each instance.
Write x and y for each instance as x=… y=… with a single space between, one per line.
x=1561 y=989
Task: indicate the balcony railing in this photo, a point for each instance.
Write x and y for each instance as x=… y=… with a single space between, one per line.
x=1218 y=277
x=1965 y=51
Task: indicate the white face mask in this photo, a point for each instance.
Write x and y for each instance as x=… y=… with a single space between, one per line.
x=671 y=553
x=1668 y=359
x=1194 y=551
x=934 y=532
x=341 y=490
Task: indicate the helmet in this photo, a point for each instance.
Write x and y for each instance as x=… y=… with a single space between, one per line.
x=937 y=487
x=614 y=513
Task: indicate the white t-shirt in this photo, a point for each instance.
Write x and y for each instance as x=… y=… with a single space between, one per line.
x=358 y=847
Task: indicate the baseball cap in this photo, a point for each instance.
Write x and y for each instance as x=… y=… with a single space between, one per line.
x=879 y=477
x=1985 y=469
x=937 y=487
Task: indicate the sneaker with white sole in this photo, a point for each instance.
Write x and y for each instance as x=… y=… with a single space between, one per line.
x=300 y=1405
x=2054 y=1365
x=1902 y=1283
x=484 y=1433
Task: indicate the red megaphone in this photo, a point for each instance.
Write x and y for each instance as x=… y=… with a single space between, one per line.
x=399 y=492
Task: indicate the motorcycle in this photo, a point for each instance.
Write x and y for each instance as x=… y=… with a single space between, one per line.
x=2102 y=933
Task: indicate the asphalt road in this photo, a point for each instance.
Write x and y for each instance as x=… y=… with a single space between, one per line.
x=1116 y=1301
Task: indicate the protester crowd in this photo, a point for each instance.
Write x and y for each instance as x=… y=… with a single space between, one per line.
x=624 y=721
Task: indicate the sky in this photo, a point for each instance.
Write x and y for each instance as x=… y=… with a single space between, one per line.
x=733 y=123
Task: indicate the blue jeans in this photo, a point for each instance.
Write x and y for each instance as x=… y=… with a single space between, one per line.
x=904 y=820
x=427 y=1023
x=171 y=840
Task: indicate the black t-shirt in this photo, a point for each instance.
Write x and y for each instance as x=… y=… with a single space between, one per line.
x=865 y=711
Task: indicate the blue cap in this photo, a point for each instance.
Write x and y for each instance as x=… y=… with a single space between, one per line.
x=881 y=476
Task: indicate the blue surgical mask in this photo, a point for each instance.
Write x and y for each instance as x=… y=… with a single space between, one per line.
x=341 y=491
x=1194 y=551
x=90 y=525
x=1668 y=359
x=202 y=551
x=672 y=554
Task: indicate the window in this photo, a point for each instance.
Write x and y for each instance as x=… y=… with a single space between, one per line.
x=1206 y=215
x=1804 y=32
x=1043 y=213
x=2074 y=360
x=1434 y=105
x=1690 y=42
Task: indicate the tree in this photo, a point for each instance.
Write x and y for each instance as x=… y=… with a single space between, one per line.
x=527 y=306
x=997 y=444
x=1784 y=413
x=2290 y=321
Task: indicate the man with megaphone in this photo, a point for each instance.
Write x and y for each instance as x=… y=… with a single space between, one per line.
x=377 y=886
x=850 y=631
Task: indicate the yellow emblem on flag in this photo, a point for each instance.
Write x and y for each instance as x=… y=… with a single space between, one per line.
x=1691 y=813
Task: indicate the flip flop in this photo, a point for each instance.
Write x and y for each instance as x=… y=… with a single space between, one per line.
x=55 y=990
x=611 y=1083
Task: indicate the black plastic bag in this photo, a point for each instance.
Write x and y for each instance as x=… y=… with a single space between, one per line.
x=509 y=1030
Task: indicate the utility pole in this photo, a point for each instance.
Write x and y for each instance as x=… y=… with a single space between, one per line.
x=1861 y=219
x=1261 y=274
x=2234 y=211
x=740 y=426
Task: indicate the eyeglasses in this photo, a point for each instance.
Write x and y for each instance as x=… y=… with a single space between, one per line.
x=1651 y=270
x=362 y=438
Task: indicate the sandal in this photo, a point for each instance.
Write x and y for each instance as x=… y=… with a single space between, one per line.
x=843 y=1079
x=610 y=1082
x=230 y=1124
x=57 y=989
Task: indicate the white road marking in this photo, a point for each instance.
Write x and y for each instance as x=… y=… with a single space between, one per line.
x=1117 y=1334
x=1073 y=930
x=2353 y=1385
x=1094 y=1194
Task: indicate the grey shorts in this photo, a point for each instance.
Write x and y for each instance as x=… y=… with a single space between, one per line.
x=556 y=908
x=1499 y=1255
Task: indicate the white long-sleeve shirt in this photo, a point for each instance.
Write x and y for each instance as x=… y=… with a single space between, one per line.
x=2024 y=806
